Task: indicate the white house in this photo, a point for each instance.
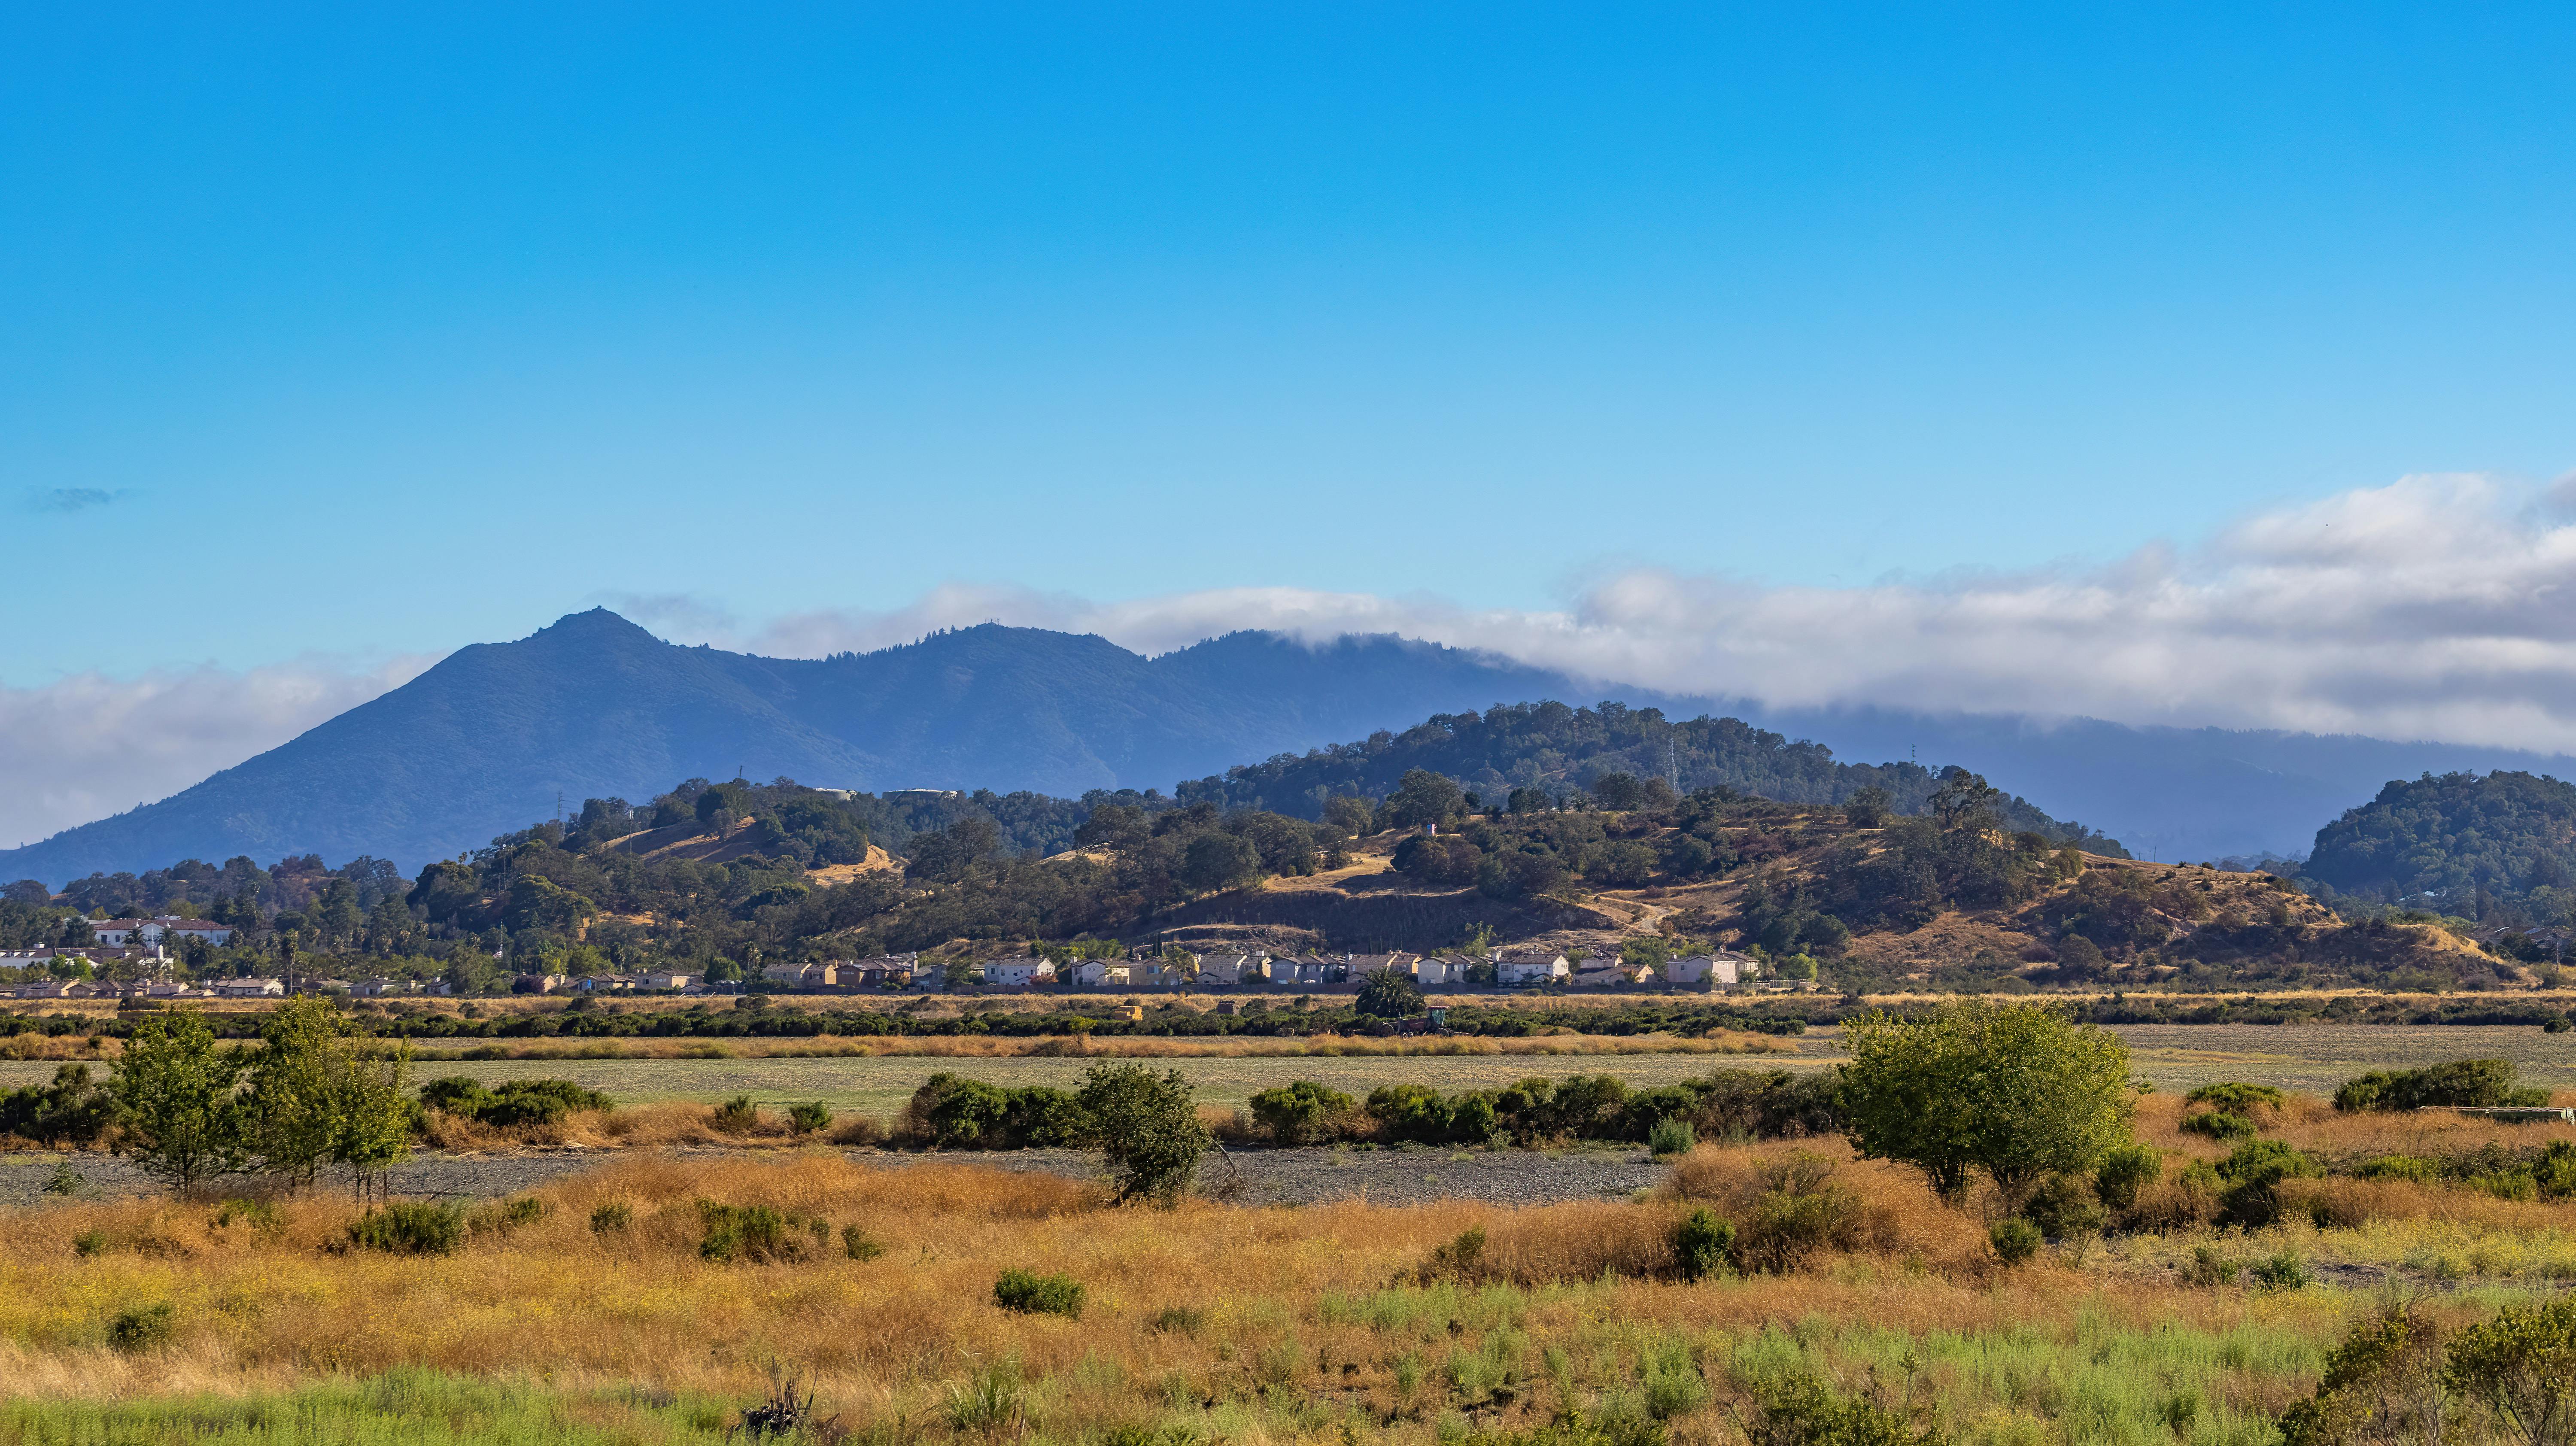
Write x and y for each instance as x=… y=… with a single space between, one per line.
x=1535 y=966
x=668 y=979
x=115 y=932
x=247 y=988
x=1724 y=969
x=1103 y=974
x=1019 y=972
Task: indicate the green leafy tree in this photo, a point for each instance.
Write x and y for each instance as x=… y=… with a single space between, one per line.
x=293 y=1115
x=1388 y=994
x=2013 y=1090
x=1147 y=1128
x=1215 y=861
x=1424 y=797
x=176 y=1093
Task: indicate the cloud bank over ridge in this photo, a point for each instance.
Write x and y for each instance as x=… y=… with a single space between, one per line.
x=2437 y=608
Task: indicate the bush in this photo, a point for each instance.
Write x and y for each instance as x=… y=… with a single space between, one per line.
x=2218 y=1125
x=1767 y=1104
x=1703 y=1244
x=615 y=1215
x=410 y=1227
x=2412 y=1168
x=502 y=1216
x=2209 y=1268
x=2065 y=1205
x=1302 y=1112
x=2285 y=1271
x=2235 y=1097
x=2251 y=1173
x=135 y=1331
x=809 y=1118
x=2469 y=1083
x=2522 y=1365
x=1798 y=1217
x=2126 y=1171
x=1019 y=1290
x=73 y=1110
x=516 y=1103
x=2014 y=1240
x=89 y=1243
x=753 y=1234
x=1671 y=1137
x=857 y=1244
x=737 y=1116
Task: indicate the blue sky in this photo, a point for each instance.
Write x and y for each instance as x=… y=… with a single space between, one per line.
x=368 y=335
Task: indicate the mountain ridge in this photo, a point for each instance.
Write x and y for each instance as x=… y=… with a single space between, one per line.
x=594 y=706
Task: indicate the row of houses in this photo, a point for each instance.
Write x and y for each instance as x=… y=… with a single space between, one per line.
x=1512 y=969
x=169 y=928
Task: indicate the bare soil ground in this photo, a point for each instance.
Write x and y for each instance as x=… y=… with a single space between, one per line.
x=1405 y=1176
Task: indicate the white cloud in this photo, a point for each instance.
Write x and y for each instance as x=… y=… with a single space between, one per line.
x=2438 y=607
x=89 y=745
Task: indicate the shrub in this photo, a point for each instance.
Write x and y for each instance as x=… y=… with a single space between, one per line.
x=65 y=1180
x=611 y=1216
x=258 y=1214
x=2014 y=1240
x=1798 y=1217
x=2285 y=1271
x=1301 y=1112
x=2219 y=1125
x=857 y=1244
x=987 y=1403
x=809 y=1118
x=2234 y=1097
x=2065 y=1205
x=1703 y=1244
x=135 y=1331
x=73 y=1110
x=517 y=1103
x=2471 y=1083
x=1797 y=1410
x=1461 y=1258
x=2126 y=1171
x=1178 y=1320
x=1671 y=1137
x=502 y=1216
x=410 y=1227
x=751 y=1234
x=2414 y=1168
x=2554 y=1171
x=89 y=1243
x=1028 y=1294
x=1767 y=1104
x=1415 y=1112
x=2383 y=1383
x=2522 y=1365
x=2209 y=1268
x=2251 y=1173
x=738 y=1116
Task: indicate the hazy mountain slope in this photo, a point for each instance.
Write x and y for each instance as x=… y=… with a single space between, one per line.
x=2169 y=793
x=595 y=706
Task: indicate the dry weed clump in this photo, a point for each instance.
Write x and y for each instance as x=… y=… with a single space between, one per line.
x=2349 y=1204
x=1552 y=1244
x=1793 y=1204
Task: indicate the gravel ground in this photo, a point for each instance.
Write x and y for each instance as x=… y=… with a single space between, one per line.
x=1253 y=1177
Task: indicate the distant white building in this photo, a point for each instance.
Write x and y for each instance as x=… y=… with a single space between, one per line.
x=1526 y=967
x=115 y=933
x=1103 y=974
x=1019 y=972
x=1724 y=969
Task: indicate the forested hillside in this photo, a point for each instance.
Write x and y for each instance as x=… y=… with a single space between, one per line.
x=2499 y=847
x=1553 y=750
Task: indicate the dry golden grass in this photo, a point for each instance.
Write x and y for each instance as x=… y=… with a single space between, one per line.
x=985 y=1046
x=1314 y=1300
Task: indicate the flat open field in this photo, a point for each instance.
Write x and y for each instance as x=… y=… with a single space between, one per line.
x=2309 y=1057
